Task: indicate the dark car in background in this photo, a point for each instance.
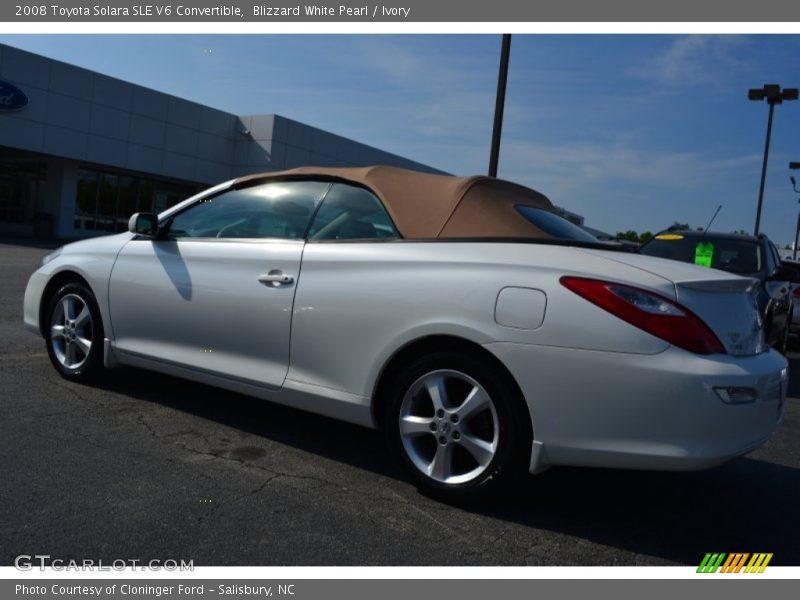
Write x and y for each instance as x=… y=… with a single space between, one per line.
x=794 y=327
x=745 y=255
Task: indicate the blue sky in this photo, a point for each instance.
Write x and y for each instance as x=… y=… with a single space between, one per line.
x=634 y=132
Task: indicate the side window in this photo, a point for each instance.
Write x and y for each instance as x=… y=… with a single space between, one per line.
x=351 y=213
x=279 y=209
x=776 y=253
x=770 y=259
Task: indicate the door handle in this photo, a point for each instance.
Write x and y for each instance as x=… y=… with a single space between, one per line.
x=275 y=277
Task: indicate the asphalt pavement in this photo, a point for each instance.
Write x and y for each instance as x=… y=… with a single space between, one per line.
x=144 y=466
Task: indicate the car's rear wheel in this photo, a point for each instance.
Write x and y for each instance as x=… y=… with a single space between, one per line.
x=74 y=332
x=456 y=425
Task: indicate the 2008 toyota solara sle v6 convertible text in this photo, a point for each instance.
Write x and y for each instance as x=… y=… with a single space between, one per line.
x=484 y=333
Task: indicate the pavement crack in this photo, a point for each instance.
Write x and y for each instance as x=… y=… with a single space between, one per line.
x=468 y=543
x=140 y=419
x=496 y=539
x=70 y=389
x=259 y=488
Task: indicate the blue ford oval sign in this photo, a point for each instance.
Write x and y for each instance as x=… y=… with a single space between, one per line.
x=11 y=97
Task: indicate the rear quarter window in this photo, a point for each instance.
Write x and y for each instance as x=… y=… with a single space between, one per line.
x=554 y=225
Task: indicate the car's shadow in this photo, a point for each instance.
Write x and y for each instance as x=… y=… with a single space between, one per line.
x=747 y=505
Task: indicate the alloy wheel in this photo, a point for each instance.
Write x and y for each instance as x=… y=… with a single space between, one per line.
x=71 y=331
x=449 y=426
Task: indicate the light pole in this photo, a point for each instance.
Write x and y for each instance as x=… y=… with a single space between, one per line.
x=772 y=93
x=795 y=165
x=500 y=102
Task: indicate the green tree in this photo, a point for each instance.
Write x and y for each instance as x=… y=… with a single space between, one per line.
x=629 y=235
x=675 y=225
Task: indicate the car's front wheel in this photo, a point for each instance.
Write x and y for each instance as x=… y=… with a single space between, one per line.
x=74 y=332
x=457 y=425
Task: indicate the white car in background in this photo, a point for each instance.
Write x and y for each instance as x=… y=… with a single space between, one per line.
x=482 y=332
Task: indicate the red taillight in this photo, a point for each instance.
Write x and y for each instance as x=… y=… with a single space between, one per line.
x=650 y=312
x=796 y=292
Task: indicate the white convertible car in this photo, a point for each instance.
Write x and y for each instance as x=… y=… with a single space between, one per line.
x=484 y=333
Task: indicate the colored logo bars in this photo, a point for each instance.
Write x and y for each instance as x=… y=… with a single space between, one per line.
x=734 y=563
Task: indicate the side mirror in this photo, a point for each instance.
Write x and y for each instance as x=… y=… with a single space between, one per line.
x=144 y=224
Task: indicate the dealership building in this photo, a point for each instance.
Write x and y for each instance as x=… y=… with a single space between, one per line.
x=81 y=151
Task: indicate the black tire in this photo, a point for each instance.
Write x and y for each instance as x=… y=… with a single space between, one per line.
x=513 y=429
x=791 y=344
x=86 y=365
x=783 y=344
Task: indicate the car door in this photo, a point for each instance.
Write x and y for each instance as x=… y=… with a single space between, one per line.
x=342 y=314
x=214 y=291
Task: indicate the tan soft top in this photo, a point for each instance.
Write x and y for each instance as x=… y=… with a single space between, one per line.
x=426 y=206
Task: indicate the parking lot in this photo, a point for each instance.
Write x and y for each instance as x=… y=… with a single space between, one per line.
x=145 y=466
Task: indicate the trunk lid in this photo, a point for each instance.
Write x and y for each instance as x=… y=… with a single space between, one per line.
x=727 y=303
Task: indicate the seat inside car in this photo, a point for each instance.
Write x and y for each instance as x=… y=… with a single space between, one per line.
x=738 y=261
x=352 y=229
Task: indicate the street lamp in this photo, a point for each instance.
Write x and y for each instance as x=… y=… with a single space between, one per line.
x=500 y=102
x=773 y=94
x=795 y=165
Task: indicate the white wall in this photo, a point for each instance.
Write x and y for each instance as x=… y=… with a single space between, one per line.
x=81 y=115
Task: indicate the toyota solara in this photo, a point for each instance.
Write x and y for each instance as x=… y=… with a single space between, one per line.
x=485 y=334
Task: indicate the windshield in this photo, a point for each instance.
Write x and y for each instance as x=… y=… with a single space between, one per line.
x=742 y=257
x=554 y=225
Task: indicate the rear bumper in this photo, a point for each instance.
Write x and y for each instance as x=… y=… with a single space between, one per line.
x=636 y=411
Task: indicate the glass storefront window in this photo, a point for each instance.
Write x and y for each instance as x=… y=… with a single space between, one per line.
x=86 y=200
x=128 y=201
x=146 y=190
x=105 y=201
x=20 y=190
